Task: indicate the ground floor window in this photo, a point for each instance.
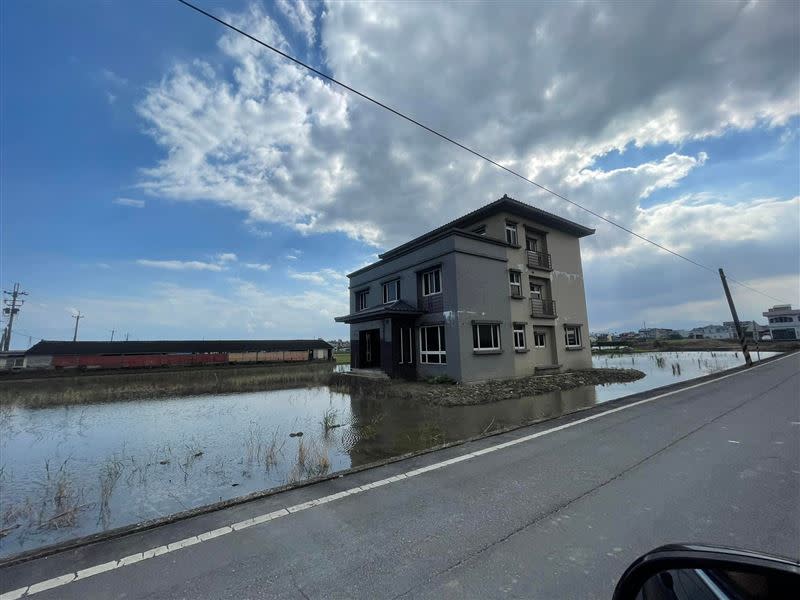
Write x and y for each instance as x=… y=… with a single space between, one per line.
x=486 y=336
x=783 y=334
x=539 y=339
x=572 y=336
x=519 y=336
x=432 y=347
x=406 y=345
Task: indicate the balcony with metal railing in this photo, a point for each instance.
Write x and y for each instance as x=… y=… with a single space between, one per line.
x=543 y=308
x=539 y=260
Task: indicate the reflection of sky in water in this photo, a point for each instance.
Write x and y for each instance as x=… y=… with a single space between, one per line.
x=692 y=364
x=153 y=443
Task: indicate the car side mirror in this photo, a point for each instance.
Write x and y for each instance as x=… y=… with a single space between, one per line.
x=690 y=572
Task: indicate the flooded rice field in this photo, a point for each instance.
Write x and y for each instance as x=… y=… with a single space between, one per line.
x=70 y=471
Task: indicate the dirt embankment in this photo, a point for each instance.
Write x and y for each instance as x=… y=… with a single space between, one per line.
x=443 y=394
x=85 y=388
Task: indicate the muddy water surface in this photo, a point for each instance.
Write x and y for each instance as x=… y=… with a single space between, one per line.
x=69 y=471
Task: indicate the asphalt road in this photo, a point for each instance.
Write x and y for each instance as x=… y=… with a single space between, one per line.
x=557 y=516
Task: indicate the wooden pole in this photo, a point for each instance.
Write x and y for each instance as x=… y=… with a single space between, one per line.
x=739 y=330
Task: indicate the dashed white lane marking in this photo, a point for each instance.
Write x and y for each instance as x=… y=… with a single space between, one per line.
x=733 y=442
x=68 y=578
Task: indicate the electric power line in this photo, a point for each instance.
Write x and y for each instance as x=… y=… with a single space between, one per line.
x=460 y=145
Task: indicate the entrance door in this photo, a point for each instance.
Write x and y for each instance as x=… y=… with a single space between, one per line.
x=370 y=342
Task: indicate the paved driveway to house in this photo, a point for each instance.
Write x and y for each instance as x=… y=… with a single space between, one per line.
x=559 y=515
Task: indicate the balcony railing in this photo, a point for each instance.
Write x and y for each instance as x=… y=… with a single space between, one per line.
x=539 y=260
x=543 y=308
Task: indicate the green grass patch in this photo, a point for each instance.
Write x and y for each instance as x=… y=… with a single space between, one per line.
x=342 y=358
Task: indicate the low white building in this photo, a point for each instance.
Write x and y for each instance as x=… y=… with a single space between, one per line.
x=712 y=332
x=783 y=322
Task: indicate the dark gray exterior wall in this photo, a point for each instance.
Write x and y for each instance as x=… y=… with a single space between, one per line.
x=483 y=295
x=407 y=268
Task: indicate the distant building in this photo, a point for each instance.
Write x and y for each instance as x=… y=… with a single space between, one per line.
x=712 y=332
x=654 y=333
x=164 y=353
x=752 y=330
x=783 y=322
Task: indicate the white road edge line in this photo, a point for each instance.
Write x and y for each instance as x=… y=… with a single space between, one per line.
x=67 y=578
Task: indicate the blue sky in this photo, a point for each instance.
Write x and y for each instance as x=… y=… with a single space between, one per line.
x=160 y=174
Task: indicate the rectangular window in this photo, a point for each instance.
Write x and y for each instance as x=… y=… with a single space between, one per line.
x=432 y=282
x=511 y=233
x=515 y=281
x=539 y=339
x=536 y=290
x=432 y=348
x=532 y=244
x=485 y=336
x=406 y=346
x=519 y=337
x=572 y=336
x=391 y=291
x=361 y=299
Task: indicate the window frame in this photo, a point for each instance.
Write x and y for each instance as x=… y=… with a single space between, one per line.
x=424 y=353
x=519 y=328
x=512 y=233
x=536 y=294
x=577 y=330
x=494 y=337
x=359 y=295
x=406 y=353
x=386 y=286
x=512 y=284
x=537 y=335
x=426 y=284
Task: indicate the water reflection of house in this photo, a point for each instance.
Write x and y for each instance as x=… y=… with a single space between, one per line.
x=391 y=428
x=496 y=293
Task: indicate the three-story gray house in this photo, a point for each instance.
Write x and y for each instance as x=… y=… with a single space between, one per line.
x=496 y=293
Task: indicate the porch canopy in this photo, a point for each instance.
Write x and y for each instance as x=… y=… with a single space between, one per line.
x=398 y=308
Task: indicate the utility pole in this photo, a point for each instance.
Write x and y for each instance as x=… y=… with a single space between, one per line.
x=77 y=318
x=126 y=336
x=112 y=334
x=739 y=330
x=11 y=308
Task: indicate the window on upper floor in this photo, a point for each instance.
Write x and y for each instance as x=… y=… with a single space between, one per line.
x=486 y=336
x=781 y=320
x=515 y=282
x=511 y=234
x=532 y=244
x=391 y=291
x=432 y=347
x=362 y=299
x=572 y=336
x=536 y=290
x=519 y=336
x=432 y=282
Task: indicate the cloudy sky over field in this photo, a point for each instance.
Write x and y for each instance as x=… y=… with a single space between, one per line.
x=174 y=180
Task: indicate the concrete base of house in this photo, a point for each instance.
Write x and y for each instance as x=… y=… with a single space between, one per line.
x=367 y=373
x=544 y=369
